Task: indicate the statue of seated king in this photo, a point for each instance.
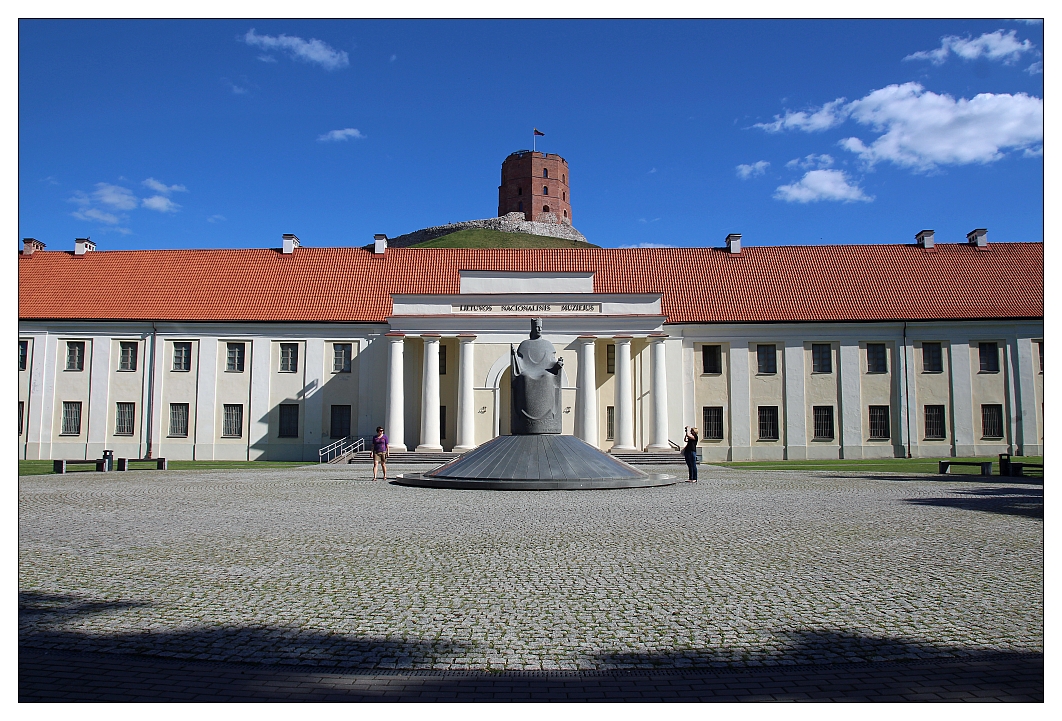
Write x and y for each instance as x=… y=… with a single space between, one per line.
x=536 y=385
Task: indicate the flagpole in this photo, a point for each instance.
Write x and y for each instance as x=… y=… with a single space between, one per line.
x=534 y=142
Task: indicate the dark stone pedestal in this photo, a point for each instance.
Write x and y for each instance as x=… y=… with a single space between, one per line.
x=535 y=463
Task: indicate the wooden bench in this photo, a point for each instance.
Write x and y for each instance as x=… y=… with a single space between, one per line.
x=122 y=464
x=945 y=466
x=60 y=466
x=1007 y=467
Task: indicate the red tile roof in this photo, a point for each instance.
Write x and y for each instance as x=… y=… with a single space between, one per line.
x=762 y=283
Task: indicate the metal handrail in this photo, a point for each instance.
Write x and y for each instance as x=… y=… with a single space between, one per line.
x=334 y=452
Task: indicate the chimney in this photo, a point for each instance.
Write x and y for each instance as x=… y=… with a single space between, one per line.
x=291 y=242
x=379 y=244
x=83 y=245
x=925 y=239
x=31 y=245
x=978 y=237
x=733 y=242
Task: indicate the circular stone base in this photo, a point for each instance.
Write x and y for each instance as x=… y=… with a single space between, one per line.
x=537 y=484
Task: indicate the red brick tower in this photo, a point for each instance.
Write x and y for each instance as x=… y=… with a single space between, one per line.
x=535 y=184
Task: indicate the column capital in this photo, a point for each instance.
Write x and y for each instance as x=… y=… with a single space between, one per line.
x=431 y=336
x=395 y=335
x=623 y=338
x=588 y=337
x=658 y=336
x=467 y=336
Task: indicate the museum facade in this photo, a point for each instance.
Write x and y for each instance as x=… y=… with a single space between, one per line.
x=774 y=352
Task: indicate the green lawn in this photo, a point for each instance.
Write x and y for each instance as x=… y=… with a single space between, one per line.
x=486 y=238
x=39 y=468
x=892 y=465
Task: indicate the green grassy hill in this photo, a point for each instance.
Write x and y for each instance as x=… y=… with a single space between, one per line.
x=486 y=238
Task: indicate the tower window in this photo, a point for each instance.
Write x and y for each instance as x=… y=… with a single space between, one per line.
x=564 y=196
x=545 y=190
x=519 y=191
x=545 y=172
x=520 y=206
x=545 y=208
x=566 y=214
x=562 y=178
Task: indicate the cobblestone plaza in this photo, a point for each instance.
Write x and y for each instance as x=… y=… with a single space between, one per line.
x=321 y=566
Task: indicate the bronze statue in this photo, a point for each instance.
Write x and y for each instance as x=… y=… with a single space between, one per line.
x=536 y=385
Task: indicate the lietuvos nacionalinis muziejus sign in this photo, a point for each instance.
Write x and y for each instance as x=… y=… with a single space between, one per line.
x=542 y=308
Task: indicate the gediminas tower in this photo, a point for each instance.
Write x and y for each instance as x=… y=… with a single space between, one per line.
x=535 y=184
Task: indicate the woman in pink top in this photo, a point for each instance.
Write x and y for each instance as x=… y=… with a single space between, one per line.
x=379 y=452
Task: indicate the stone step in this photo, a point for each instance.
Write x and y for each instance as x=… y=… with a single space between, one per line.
x=661 y=459
x=405 y=457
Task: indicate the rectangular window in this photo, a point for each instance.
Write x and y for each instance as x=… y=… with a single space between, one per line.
x=610 y=423
x=442 y=421
x=711 y=359
x=233 y=425
x=289 y=357
x=340 y=421
x=877 y=358
x=1039 y=345
x=879 y=423
x=712 y=427
x=769 y=422
x=821 y=358
x=992 y=420
x=75 y=355
x=823 y=418
x=989 y=353
x=932 y=358
x=442 y=359
x=23 y=353
x=71 y=418
x=935 y=422
x=182 y=356
x=341 y=355
x=610 y=358
x=179 y=420
x=123 y=419
x=21 y=408
x=127 y=356
x=766 y=359
x=289 y=420
x=234 y=360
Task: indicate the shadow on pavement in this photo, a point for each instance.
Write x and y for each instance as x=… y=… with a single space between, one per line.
x=1026 y=502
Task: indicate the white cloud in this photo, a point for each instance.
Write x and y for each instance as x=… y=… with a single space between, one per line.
x=751 y=171
x=160 y=203
x=393 y=58
x=1036 y=68
x=96 y=214
x=1037 y=152
x=653 y=170
x=993 y=46
x=310 y=51
x=344 y=134
x=829 y=115
x=215 y=218
x=811 y=161
x=819 y=185
x=115 y=196
x=160 y=187
x=267 y=58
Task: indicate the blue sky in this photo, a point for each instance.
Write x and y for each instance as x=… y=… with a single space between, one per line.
x=170 y=134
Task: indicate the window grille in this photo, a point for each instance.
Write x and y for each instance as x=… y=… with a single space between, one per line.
x=23 y=353
x=123 y=419
x=233 y=426
x=340 y=421
x=877 y=359
x=234 y=362
x=289 y=420
x=127 y=359
x=711 y=359
x=610 y=358
x=21 y=408
x=768 y=422
x=823 y=418
x=610 y=423
x=992 y=420
x=182 y=356
x=821 y=358
x=179 y=420
x=989 y=353
x=442 y=359
x=935 y=422
x=932 y=358
x=712 y=427
x=341 y=354
x=767 y=359
x=879 y=423
x=71 y=418
x=75 y=355
x=1039 y=344
x=289 y=357
x=442 y=421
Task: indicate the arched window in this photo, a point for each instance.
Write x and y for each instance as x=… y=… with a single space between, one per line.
x=545 y=190
x=562 y=178
x=545 y=208
x=564 y=195
x=545 y=172
x=520 y=206
x=566 y=214
x=519 y=191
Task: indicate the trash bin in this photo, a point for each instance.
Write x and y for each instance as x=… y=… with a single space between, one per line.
x=108 y=459
x=700 y=455
x=1004 y=464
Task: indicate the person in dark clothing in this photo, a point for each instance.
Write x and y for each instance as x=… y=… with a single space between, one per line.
x=690 y=452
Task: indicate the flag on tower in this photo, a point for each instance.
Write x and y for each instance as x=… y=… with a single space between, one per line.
x=539 y=132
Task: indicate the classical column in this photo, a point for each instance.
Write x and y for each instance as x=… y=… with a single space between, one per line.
x=658 y=393
x=466 y=397
x=395 y=419
x=430 y=436
x=586 y=411
x=624 y=397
